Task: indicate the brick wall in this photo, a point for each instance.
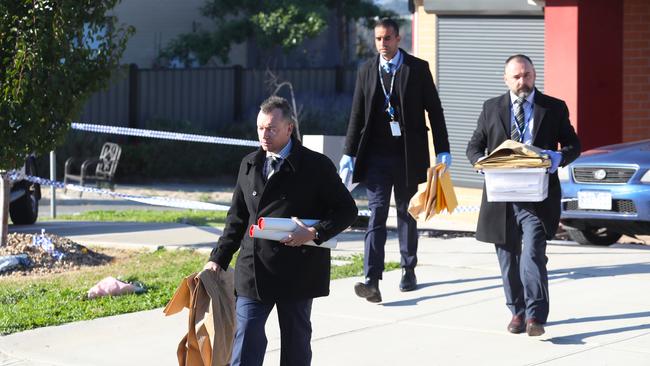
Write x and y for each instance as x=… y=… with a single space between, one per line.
x=636 y=70
x=425 y=36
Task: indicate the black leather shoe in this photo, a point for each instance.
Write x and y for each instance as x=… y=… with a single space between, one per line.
x=408 y=282
x=534 y=328
x=517 y=324
x=369 y=290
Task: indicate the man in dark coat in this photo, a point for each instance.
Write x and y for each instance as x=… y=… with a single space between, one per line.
x=520 y=229
x=282 y=179
x=386 y=146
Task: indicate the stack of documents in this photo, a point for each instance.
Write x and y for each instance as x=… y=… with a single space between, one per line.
x=515 y=172
x=513 y=154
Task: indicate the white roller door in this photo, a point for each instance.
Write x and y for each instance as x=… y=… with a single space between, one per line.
x=471 y=55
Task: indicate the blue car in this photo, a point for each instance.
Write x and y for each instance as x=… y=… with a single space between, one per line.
x=606 y=193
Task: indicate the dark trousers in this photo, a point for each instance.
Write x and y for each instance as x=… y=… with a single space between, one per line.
x=250 y=341
x=523 y=264
x=383 y=174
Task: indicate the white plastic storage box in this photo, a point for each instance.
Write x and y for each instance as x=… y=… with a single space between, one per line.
x=516 y=185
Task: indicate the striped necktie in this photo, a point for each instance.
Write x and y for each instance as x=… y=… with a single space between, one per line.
x=518 y=125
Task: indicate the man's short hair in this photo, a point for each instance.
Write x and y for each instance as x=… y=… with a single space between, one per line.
x=519 y=57
x=275 y=102
x=388 y=23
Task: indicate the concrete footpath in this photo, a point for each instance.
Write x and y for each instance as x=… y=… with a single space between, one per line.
x=600 y=311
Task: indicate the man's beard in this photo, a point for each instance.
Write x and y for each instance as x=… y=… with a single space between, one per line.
x=524 y=92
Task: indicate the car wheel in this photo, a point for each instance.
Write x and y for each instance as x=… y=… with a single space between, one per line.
x=594 y=236
x=24 y=211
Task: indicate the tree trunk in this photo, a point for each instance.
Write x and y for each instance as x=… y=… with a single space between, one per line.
x=5 y=189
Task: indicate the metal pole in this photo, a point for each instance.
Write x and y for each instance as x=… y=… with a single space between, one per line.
x=5 y=188
x=52 y=188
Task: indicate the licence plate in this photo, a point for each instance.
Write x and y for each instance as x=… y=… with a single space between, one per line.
x=594 y=200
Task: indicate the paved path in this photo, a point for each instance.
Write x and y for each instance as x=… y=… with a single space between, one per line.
x=600 y=307
x=600 y=315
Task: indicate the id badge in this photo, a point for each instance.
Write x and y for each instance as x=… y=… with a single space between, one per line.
x=394 y=128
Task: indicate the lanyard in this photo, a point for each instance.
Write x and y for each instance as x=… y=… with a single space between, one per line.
x=389 y=107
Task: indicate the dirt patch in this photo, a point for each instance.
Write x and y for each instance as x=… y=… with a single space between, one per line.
x=63 y=255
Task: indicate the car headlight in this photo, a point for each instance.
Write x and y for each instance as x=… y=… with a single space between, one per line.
x=646 y=177
x=563 y=173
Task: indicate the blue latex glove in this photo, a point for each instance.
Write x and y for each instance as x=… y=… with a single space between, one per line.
x=445 y=158
x=347 y=162
x=556 y=159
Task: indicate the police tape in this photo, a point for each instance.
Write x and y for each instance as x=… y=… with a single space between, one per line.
x=127 y=131
x=165 y=201
x=116 y=130
x=151 y=200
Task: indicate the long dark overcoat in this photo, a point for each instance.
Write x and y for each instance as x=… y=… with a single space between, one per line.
x=307 y=186
x=551 y=127
x=418 y=95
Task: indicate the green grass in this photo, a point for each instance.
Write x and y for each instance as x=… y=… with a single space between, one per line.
x=61 y=298
x=355 y=267
x=33 y=302
x=190 y=217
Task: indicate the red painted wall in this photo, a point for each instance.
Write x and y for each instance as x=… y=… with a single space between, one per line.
x=584 y=65
x=561 y=55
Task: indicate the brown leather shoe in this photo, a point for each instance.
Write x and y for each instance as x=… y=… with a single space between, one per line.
x=534 y=328
x=369 y=290
x=516 y=324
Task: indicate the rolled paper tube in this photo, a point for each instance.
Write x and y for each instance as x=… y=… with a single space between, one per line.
x=282 y=223
x=256 y=232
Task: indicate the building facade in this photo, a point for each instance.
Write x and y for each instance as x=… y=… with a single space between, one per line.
x=594 y=54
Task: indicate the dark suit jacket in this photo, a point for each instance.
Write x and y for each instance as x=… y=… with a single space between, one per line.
x=417 y=94
x=551 y=126
x=307 y=186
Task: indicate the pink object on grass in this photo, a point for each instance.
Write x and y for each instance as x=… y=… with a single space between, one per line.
x=110 y=286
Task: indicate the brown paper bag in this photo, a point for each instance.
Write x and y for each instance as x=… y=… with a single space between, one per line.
x=424 y=196
x=446 y=197
x=209 y=296
x=434 y=195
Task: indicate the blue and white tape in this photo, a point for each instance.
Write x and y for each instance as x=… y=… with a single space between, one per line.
x=151 y=200
x=165 y=201
x=127 y=131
